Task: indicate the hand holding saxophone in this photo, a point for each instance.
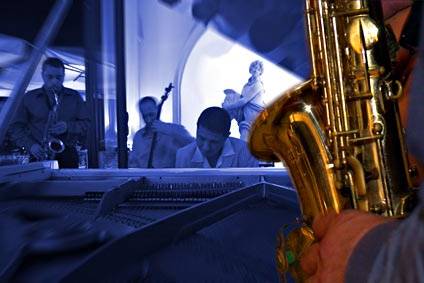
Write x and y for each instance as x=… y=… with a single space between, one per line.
x=37 y=151
x=337 y=235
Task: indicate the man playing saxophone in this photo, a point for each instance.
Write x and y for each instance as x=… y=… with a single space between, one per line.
x=355 y=246
x=51 y=113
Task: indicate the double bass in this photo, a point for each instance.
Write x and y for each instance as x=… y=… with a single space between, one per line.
x=163 y=98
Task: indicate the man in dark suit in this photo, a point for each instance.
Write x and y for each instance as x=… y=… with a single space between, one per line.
x=51 y=112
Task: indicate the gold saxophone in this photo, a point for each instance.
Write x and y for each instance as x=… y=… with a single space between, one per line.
x=339 y=133
x=51 y=144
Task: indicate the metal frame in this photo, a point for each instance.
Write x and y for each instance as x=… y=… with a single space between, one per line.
x=121 y=100
x=45 y=35
x=138 y=243
x=168 y=230
x=94 y=80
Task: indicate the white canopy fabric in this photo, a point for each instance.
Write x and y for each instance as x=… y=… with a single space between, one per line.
x=14 y=53
x=12 y=49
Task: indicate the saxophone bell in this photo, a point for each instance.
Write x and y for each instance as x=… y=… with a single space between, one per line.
x=339 y=133
x=56 y=145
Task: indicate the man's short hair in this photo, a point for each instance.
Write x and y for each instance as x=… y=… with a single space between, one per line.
x=53 y=62
x=146 y=99
x=215 y=119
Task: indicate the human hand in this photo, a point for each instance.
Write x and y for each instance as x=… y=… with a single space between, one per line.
x=337 y=235
x=159 y=126
x=391 y=7
x=58 y=128
x=37 y=151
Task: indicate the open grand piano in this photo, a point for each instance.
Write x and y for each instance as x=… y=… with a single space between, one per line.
x=177 y=225
x=128 y=224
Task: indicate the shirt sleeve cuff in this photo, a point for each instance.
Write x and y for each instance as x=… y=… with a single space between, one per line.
x=361 y=261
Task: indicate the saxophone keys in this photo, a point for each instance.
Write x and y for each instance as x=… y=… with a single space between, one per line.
x=362 y=34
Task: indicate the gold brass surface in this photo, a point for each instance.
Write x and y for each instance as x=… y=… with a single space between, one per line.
x=339 y=133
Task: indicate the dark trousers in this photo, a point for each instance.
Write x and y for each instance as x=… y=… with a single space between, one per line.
x=68 y=158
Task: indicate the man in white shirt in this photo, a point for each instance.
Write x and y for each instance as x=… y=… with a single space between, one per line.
x=213 y=147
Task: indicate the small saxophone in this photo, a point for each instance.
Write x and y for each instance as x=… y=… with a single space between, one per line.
x=51 y=144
